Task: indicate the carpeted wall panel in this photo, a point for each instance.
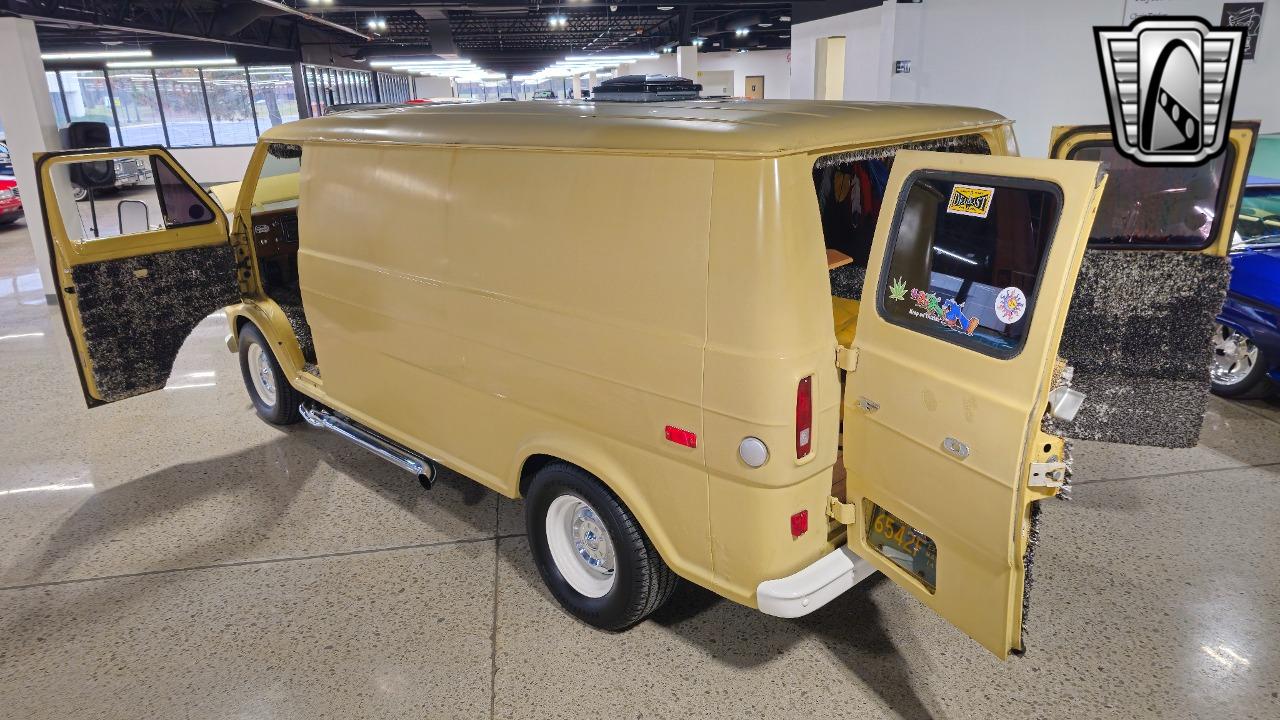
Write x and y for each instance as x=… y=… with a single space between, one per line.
x=137 y=312
x=1137 y=334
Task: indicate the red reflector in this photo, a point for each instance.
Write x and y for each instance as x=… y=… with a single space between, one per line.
x=800 y=523
x=804 y=417
x=681 y=437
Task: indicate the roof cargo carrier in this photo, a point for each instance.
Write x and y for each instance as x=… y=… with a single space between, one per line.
x=646 y=88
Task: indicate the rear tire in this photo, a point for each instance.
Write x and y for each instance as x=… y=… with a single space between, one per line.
x=1239 y=367
x=274 y=399
x=591 y=551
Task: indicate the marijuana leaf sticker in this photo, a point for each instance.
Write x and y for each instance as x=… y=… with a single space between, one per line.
x=897 y=290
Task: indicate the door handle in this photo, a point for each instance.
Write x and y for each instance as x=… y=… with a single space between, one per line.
x=955 y=447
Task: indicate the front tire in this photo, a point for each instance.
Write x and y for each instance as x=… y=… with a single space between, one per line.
x=1239 y=368
x=274 y=399
x=591 y=551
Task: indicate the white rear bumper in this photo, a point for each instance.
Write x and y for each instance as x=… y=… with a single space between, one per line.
x=814 y=586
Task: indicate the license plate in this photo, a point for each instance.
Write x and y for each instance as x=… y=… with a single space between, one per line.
x=903 y=545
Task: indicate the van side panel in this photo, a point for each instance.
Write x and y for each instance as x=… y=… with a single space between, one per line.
x=483 y=305
x=769 y=326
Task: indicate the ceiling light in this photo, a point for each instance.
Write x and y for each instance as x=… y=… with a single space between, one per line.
x=194 y=62
x=96 y=55
x=741 y=32
x=665 y=8
x=784 y=37
x=784 y=18
x=766 y=24
x=376 y=24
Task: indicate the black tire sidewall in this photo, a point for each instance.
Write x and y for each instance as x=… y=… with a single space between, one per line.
x=617 y=608
x=280 y=413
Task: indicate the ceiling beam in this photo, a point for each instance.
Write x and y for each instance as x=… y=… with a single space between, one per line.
x=311 y=18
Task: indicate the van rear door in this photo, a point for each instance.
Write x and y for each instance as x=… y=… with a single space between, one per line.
x=1152 y=283
x=140 y=255
x=970 y=274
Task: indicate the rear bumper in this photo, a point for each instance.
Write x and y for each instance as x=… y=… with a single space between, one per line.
x=814 y=586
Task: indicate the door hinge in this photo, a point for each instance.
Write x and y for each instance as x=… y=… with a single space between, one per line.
x=1052 y=474
x=847 y=358
x=843 y=513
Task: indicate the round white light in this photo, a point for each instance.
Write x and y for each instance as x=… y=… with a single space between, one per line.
x=753 y=451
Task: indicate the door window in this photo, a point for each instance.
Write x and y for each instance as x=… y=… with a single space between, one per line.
x=125 y=196
x=1169 y=208
x=965 y=257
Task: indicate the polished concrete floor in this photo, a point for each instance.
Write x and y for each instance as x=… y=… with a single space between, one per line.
x=173 y=557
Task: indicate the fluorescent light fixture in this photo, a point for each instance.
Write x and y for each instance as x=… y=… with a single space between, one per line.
x=21 y=335
x=665 y=8
x=194 y=62
x=96 y=55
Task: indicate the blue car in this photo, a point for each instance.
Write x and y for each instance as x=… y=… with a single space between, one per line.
x=1246 y=340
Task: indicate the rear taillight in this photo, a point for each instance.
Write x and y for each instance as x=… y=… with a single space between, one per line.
x=804 y=417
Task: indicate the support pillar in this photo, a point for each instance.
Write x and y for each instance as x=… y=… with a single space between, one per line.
x=577 y=87
x=687 y=62
x=30 y=127
x=828 y=69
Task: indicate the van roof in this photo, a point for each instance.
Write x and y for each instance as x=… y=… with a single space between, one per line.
x=699 y=127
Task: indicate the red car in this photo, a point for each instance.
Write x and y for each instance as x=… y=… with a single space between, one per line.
x=10 y=203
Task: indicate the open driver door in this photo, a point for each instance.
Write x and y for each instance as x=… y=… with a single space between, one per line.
x=140 y=256
x=968 y=283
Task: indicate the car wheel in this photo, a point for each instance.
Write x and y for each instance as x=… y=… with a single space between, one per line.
x=9 y=220
x=1239 y=369
x=591 y=551
x=273 y=397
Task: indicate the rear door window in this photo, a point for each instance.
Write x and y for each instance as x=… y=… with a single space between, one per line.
x=965 y=258
x=1163 y=208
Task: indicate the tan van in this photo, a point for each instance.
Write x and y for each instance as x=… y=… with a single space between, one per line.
x=770 y=347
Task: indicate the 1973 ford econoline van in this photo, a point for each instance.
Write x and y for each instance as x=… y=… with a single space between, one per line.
x=781 y=345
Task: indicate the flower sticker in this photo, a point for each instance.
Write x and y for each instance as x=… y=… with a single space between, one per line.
x=1011 y=303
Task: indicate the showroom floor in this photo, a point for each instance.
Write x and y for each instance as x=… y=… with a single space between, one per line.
x=172 y=556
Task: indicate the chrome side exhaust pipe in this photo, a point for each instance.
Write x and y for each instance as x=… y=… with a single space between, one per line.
x=385 y=448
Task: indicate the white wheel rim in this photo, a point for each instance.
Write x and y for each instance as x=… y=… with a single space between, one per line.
x=580 y=545
x=1234 y=356
x=264 y=378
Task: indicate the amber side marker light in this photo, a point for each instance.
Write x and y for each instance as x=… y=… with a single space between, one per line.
x=804 y=417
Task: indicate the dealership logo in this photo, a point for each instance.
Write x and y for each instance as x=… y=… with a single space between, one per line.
x=1170 y=85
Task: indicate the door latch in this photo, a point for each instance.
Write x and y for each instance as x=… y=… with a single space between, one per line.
x=1051 y=474
x=868 y=404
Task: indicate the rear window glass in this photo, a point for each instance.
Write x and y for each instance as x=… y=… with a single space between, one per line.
x=1156 y=207
x=965 y=258
x=850 y=188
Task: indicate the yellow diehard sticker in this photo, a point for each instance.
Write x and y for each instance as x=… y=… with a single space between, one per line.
x=972 y=200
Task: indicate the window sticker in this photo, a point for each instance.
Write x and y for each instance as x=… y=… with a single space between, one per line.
x=974 y=200
x=1011 y=303
x=949 y=313
x=897 y=289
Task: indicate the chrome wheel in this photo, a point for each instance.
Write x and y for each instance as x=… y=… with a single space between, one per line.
x=264 y=378
x=580 y=546
x=1234 y=356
